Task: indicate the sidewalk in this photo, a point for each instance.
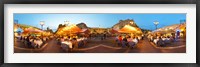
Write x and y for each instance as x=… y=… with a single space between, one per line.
x=19 y=44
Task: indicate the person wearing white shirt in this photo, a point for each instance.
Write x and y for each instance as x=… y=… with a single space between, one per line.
x=129 y=39
x=135 y=40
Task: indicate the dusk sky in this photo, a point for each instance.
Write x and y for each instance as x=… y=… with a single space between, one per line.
x=144 y=21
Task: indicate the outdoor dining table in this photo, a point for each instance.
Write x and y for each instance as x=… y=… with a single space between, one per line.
x=167 y=40
x=66 y=43
x=44 y=39
x=18 y=38
x=31 y=40
x=38 y=42
x=135 y=41
x=155 y=41
x=139 y=38
x=80 y=39
x=164 y=39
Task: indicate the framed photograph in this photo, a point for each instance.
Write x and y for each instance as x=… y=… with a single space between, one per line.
x=99 y=32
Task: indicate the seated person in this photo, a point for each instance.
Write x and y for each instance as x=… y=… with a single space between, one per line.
x=75 y=42
x=135 y=40
x=62 y=39
x=129 y=39
x=124 y=42
x=160 y=42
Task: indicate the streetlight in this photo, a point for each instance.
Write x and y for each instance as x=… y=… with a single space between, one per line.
x=156 y=24
x=42 y=24
x=99 y=29
x=66 y=23
x=182 y=21
x=16 y=21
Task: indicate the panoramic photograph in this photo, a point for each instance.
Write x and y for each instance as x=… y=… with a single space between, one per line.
x=99 y=33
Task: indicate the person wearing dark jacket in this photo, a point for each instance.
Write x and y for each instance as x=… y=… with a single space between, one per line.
x=124 y=42
x=160 y=42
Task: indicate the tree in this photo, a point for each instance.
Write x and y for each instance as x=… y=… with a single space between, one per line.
x=48 y=28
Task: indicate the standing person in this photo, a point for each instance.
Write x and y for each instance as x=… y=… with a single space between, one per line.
x=177 y=35
x=28 y=41
x=102 y=38
x=125 y=39
x=124 y=42
x=75 y=43
x=21 y=38
x=104 y=35
x=62 y=39
x=130 y=41
x=90 y=36
x=151 y=38
x=116 y=38
x=142 y=36
x=68 y=38
x=119 y=40
x=173 y=37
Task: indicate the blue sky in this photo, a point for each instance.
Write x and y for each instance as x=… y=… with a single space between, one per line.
x=144 y=21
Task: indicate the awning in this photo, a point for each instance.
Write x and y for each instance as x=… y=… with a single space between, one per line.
x=113 y=31
x=69 y=30
x=32 y=30
x=130 y=29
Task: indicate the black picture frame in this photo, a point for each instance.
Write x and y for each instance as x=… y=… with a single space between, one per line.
x=2 y=2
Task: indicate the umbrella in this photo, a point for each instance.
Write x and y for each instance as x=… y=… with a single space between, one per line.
x=113 y=31
x=69 y=29
x=19 y=30
x=32 y=30
x=84 y=31
x=129 y=29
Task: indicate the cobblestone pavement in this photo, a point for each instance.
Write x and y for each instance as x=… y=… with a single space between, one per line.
x=109 y=46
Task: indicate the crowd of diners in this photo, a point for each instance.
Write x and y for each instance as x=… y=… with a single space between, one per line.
x=33 y=41
x=128 y=40
x=101 y=36
x=161 y=40
x=71 y=42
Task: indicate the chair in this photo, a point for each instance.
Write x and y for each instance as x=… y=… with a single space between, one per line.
x=65 y=47
x=85 y=41
x=131 y=44
x=75 y=44
x=160 y=43
x=118 y=43
x=80 y=43
x=167 y=41
x=59 y=42
x=124 y=43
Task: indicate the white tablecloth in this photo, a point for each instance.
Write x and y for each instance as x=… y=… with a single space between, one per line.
x=38 y=42
x=164 y=39
x=66 y=43
x=155 y=41
x=80 y=39
x=139 y=38
x=31 y=40
x=44 y=39
x=135 y=40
